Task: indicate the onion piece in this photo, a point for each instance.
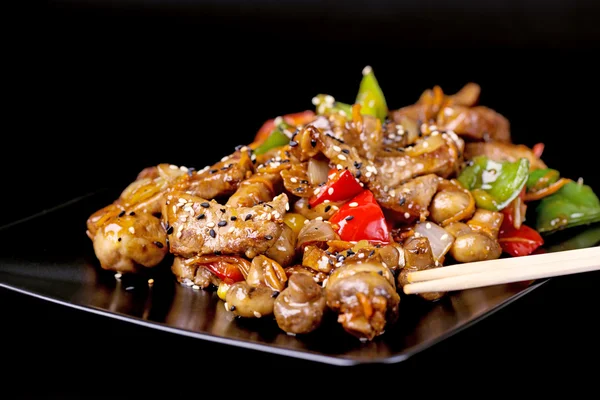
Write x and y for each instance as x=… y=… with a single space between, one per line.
x=317 y=171
x=439 y=239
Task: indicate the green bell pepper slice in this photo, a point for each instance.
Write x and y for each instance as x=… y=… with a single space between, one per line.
x=573 y=204
x=370 y=96
x=494 y=184
x=542 y=178
x=326 y=104
x=277 y=138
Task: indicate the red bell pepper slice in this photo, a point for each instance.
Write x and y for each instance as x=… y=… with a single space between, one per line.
x=228 y=272
x=361 y=218
x=294 y=119
x=341 y=185
x=518 y=242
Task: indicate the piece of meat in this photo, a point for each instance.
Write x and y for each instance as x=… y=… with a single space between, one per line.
x=434 y=154
x=300 y=307
x=129 y=242
x=258 y=188
x=499 y=151
x=476 y=123
x=190 y=273
x=198 y=226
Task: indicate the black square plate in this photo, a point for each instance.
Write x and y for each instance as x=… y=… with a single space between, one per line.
x=49 y=256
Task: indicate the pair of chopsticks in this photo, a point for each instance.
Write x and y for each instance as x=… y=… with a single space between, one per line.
x=504 y=270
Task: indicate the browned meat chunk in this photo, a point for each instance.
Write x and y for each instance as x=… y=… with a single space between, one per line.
x=499 y=151
x=199 y=226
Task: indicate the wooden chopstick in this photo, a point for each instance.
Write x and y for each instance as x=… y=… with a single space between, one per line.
x=505 y=270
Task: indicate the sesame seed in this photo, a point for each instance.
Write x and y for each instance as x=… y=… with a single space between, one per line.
x=330 y=191
x=337 y=148
x=319 y=219
x=316 y=101
x=293 y=180
x=293 y=143
x=428 y=225
x=339 y=167
x=444 y=236
x=248 y=216
x=169 y=230
x=231 y=229
x=327 y=208
x=121 y=213
x=353 y=204
x=349 y=218
x=118 y=275
x=257 y=314
x=132 y=230
x=159 y=245
x=406 y=215
x=341 y=157
x=205 y=204
x=132 y=213
x=287 y=206
x=268 y=237
x=196 y=287
x=179 y=233
x=201 y=216
x=367 y=70
x=212 y=233
x=222 y=223
x=210 y=224
x=313 y=143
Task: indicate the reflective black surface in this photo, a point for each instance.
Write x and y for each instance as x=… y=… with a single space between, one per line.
x=63 y=269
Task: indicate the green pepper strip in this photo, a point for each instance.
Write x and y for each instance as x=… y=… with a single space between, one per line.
x=276 y=139
x=542 y=178
x=494 y=184
x=370 y=96
x=572 y=205
x=327 y=105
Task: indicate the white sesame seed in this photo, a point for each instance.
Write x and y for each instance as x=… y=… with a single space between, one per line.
x=118 y=275
x=444 y=236
x=319 y=218
x=329 y=99
x=278 y=121
x=287 y=206
x=335 y=208
x=410 y=206
x=316 y=101
x=361 y=255
x=196 y=287
x=231 y=229
x=342 y=157
x=211 y=224
x=417 y=234
x=353 y=204
x=367 y=70
x=293 y=180
x=173 y=166
x=257 y=314
x=150 y=281
x=339 y=167
x=132 y=230
x=337 y=148
x=225 y=158
x=184 y=169
x=189 y=283
x=406 y=215
x=428 y=225
x=179 y=233
x=330 y=191
x=425 y=145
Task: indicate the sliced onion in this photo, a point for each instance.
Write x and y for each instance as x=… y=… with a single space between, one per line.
x=317 y=171
x=316 y=231
x=439 y=239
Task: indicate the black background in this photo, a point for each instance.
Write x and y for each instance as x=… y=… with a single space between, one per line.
x=104 y=91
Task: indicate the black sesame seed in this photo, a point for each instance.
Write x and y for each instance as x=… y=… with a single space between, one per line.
x=212 y=233
x=119 y=239
x=132 y=213
x=223 y=210
x=212 y=171
x=293 y=143
x=402 y=201
x=159 y=245
x=268 y=237
x=205 y=204
x=268 y=205
x=222 y=223
x=249 y=216
x=169 y=230
x=341 y=258
x=121 y=213
x=380 y=272
x=313 y=143
x=349 y=218
x=358 y=174
x=217 y=253
x=327 y=208
x=201 y=216
x=349 y=253
x=299 y=189
x=275 y=294
x=371 y=253
x=304 y=181
x=232 y=308
x=345 y=151
x=357 y=164
x=233 y=218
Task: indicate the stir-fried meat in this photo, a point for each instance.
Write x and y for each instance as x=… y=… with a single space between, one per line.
x=199 y=226
x=477 y=123
x=365 y=298
x=418 y=255
x=409 y=201
x=221 y=179
x=299 y=308
x=435 y=154
x=190 y=273
x=258 y=188
x=499 y=151
x=295 y=180
x=284 y=249
x=363 y=132
x=211 y=269
x=130 y=242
